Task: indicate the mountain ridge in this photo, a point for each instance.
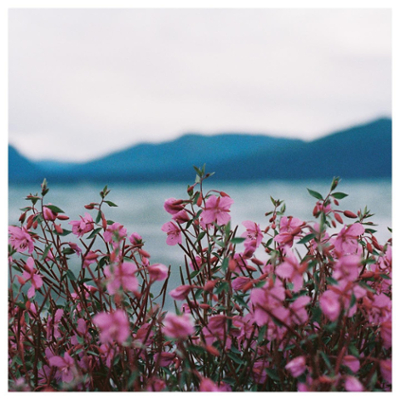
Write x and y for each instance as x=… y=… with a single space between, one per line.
x=360 y=151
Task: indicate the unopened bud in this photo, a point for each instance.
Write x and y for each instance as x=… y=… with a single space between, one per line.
x=62 y=217
x=349 y=214
x=338 y=218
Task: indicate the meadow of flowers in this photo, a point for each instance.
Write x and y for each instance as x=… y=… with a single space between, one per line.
x=275 y=305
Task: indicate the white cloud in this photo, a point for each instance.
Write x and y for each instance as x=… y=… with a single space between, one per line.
x=87 y=82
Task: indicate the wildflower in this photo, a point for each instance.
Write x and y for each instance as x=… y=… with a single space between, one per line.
x=346 y=241
x=352 y=384
x=217 y=210
x=173 y=233
x=121 y=276
x=351 y=362
x=89 y=258
x=114 y=233
x=135 y=238
x=181 y=292
x=65 y=365
x=207 y=385
x=297 y=366
x=330 y=305
x=291 y=270
x=179 y=327
x=52 y=325
x=386 y=370
x=181 y=217
x=346 y=268
x=253 y=232
x=290 y=228
x=85 y=225
x=113 y=326
x=30 y=274
x=48 y=214
x=298 y=307
x=173 y=206
x=158 y=272
x=20 y=239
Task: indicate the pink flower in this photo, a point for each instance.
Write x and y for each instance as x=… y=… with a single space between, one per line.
x=386 y=370
x=85 y=225
x=240 y=282
x=52 y=325
x=155 y=385
x=207 y=385
x=297 y=366
x=90 y=258
x=30 y=274
x=48 y=214
x=135 y=238
x=330 y=305
x=346 y=268
x=121 y=276
x=290 y=228
x=298 y=307
x=75 y=247
x=173 y=206
x=114 y=233
x=181 y=292
x=178 y=326
x=158 y=272
x=346 y=240
x=352 y=362
x=20 y=239
x=253 y=232
x=113 y=326
x=173 y=233
x=217 y=210
x=291 y=270
x=66 y=366
x=164 y=358
x=181 y=217
x=352 y=384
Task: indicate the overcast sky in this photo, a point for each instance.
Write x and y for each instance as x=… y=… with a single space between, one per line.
x=84 y=83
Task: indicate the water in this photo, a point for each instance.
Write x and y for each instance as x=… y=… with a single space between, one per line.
x=140 y=207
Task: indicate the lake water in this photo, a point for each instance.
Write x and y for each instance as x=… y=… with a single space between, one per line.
x=140 y=207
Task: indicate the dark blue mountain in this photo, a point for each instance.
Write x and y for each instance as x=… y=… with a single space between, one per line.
x=362 y=151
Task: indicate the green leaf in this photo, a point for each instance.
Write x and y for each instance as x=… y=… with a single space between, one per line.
x=353 y=350
x=339 y=195
x=332 y=281
x=110 y=203
x=71 y=275
x=272 y=374
x=326 y=359
x=222 y=286
x=237 y=240
x=46 y=251
x=235 y=358
x=94 y=233
x=307 y=238
x=225 y=264
x=65 y=232
x=55 y=209
x=315 y=194
x=98 y=217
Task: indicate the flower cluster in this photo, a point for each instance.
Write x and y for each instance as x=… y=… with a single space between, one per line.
x=284 y=305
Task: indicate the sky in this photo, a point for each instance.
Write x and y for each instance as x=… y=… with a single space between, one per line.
x=86 y=82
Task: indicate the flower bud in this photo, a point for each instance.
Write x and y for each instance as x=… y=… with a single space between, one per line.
x=349 y=214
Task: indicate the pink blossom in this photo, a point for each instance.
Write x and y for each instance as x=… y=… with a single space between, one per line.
x=207 y=385
x=48 y=214
x=178 y=326
x=135 y=238
x=297 y=366
x=107 y=353
x=346 y=268
x=20 y=239
x=386 y=370
x=52 y=325
x=289 y=229
x=298 y=308
x=291 y=270
x=352 y=362
x=217 y=210
x=240 y=282
x=114 y=233
x=164 y=358
x=181 y=292
x=155 y=385
x=158 y=272
x=173 y=206
x=65 y=365
x=121 y=276
x=253 y=232
x=89 y=258
x=75 y=247
x=330 y=305
x=31 y=274
x=113 y=326
x=346 y=240
x=181 y=217
x=173 y=233
x=352 y=384
x=85 y=225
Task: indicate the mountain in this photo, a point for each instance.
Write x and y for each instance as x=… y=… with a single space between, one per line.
x=363 y=151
